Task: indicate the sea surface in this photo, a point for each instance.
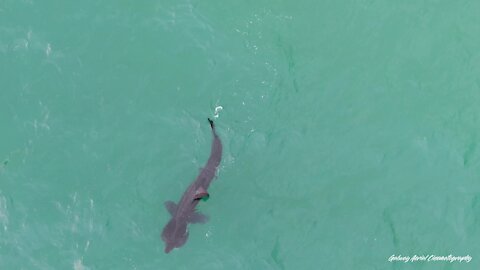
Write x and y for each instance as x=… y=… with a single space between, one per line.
x=351 y=133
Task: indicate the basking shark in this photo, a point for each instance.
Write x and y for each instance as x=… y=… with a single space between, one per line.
x=175 y=233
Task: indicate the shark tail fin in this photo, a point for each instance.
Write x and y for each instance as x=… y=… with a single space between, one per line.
x=212 y=125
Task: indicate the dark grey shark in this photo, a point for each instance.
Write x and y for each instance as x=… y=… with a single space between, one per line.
x=175 y=233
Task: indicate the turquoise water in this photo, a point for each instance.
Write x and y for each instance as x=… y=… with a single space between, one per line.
x=350 y=132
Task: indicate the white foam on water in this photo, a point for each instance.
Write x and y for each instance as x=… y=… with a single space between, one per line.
x=78 y=265
x=217 y=111
x=3 y=213
x=87 y=245
x=48 y=50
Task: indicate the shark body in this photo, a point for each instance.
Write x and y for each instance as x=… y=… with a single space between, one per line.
x=175 y=233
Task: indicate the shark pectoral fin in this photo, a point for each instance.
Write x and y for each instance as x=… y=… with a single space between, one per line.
x=201 y=193
x=171 y=207
x=197 y=217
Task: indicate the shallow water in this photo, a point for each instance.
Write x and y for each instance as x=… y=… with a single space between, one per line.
x=350 y=132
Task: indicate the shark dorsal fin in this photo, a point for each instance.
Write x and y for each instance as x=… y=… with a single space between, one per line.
x=171 y=207
x=200 y=193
